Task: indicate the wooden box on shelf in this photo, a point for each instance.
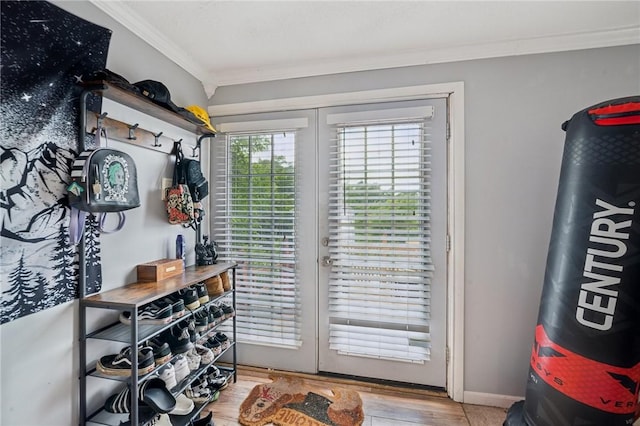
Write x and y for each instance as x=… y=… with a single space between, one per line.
x=159 y=270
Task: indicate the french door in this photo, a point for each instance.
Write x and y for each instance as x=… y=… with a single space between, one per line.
x=358 y=247
x=382 y=234
x=264 y=218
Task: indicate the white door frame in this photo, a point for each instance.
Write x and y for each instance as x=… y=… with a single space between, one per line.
x=456 y=191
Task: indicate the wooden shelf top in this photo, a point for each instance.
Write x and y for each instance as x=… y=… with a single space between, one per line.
x=140 y=103
x=140 y=293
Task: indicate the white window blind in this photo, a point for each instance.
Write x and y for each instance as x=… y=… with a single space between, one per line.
x=255 y=225
x=379 y=242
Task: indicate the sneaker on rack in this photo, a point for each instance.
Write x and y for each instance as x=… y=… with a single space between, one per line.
x=181 y=367
x=150 y=314
x=202 y=321
x=216 y=379
x=161 y=350
x=214 y=345
x=201 y=291
x=228 y=310
x=188 y=325
x=177 y=306
x=212 y=318
x=206 y=354
x=190 y=298
x=120 y=364
x=224 y=340
x=218 y=314
x=198 y=391
x=193 y=359
x=178 y=339
x=168 y=374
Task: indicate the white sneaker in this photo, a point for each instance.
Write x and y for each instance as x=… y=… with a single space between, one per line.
x=184 y=406
x=160 y=420
x=193 y=359
x=168 y=374
x=205 y=353
x=181 y=367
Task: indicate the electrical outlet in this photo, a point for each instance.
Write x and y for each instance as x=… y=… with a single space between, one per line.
x=166 y=183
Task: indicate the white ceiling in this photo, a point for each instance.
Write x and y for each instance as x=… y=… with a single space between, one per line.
x=231 y=42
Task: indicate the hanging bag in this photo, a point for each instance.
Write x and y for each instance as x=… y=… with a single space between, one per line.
x=178 y=201
x=192 y=174
x=103 y=180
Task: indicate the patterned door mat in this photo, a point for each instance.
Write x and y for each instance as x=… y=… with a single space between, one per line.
x=290 y=401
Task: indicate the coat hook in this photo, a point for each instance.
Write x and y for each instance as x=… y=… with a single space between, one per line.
x=132 y=136
x=156 y=144
x=194 y=154
x=100 y=118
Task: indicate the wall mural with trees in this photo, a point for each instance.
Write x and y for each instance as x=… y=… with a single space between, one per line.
x=46 y=53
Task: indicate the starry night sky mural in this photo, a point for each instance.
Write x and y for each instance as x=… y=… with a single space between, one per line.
x=46 y=52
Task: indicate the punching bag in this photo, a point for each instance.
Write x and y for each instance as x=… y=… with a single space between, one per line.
x=585 y=360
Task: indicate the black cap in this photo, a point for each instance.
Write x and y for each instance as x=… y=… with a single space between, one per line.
x=156 y=92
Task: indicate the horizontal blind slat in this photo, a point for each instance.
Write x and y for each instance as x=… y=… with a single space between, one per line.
x=379 y=239
x=255 y=225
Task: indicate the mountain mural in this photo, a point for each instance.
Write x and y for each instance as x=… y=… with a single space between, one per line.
x=46 y=51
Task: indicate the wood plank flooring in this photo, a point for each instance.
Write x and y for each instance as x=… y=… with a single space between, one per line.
x=383 y=405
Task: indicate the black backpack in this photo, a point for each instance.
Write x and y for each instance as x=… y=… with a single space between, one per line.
x=195 y=180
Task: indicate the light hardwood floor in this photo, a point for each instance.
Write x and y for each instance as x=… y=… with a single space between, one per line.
x=383 y=405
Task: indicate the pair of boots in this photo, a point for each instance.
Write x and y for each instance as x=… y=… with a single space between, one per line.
x=218 y=284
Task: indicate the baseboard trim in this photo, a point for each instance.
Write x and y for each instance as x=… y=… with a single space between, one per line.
x=490 y=399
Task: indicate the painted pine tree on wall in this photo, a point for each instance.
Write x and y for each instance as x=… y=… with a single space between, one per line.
x=46 y=52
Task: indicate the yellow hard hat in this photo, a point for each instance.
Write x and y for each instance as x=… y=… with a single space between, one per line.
x=202 y=115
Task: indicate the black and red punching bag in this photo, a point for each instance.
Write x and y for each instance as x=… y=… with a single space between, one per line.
x=585 y=360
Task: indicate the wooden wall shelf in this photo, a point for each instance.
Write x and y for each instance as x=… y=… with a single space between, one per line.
x=140 y=103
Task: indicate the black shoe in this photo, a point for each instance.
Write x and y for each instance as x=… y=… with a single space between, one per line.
x=214 y=345
x=161 y=350
x=120 y=364
x=190 y=298
x=178 y=339
x=216 y=379
x=201 y=291
x=189 y=324
x=154 y=313
x=218 y=314
x=177 y=306
x=202 y=321
x=228 y=310
x=224 y=340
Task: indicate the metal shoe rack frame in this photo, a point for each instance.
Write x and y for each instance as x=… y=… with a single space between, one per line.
x=131 y=297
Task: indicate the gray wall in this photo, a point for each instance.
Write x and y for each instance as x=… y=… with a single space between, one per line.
x=514 y=107
x=39 y=353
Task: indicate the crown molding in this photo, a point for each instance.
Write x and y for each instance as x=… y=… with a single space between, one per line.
x=549 y=44
x=119 y=11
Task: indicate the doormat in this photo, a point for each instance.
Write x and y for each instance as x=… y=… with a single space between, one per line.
x=288 y=401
